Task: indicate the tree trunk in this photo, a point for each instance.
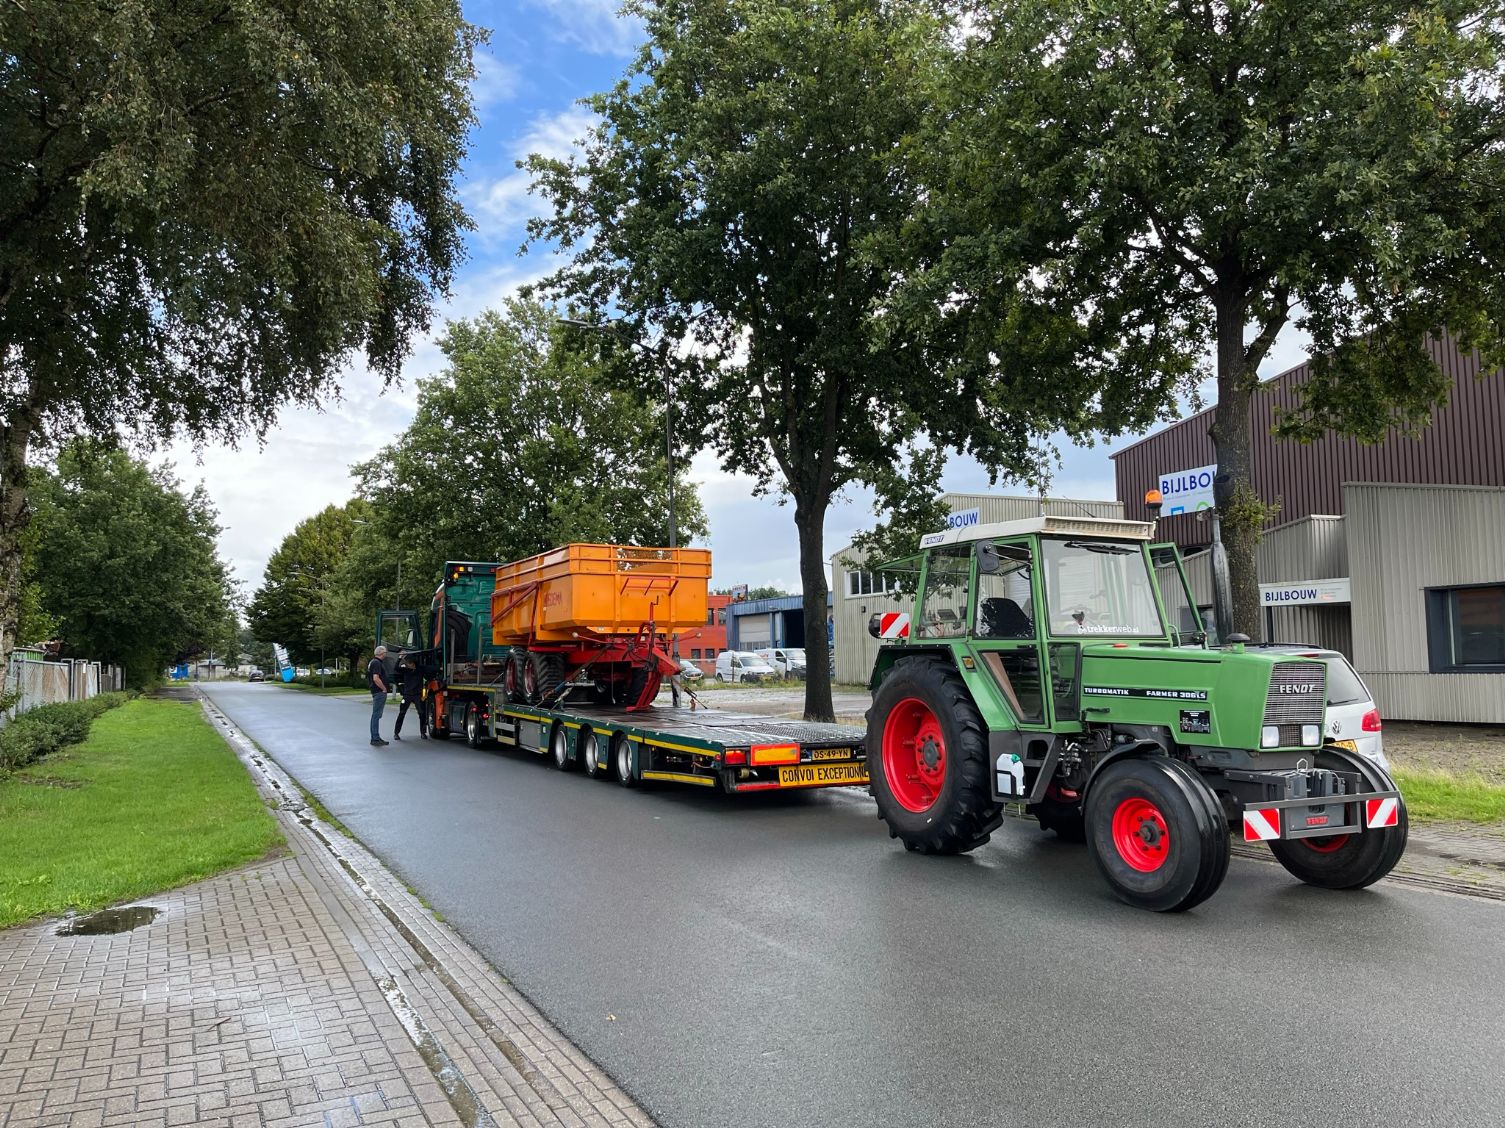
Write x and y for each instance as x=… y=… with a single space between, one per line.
x=1240 y=515
x=810 y=520
x=15 y=516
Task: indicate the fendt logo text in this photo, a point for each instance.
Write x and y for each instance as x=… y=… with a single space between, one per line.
x=1307 y=688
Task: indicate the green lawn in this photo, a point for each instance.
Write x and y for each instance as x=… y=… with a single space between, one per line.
x=1433 y=794
x=153 y=799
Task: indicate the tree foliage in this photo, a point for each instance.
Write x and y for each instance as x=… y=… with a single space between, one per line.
x=207 y=207
x=301 y=579
x=517 y=447
x=1185 y=178
x=126 y=562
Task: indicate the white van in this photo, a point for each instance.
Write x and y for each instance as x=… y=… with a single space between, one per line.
x=787 y=662
x=742 y=666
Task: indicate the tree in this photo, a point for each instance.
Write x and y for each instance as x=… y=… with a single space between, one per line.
x=517 y=447
x=296 y=585
x=206 y=208
x=1247 y=165
x=127 y=562
x=744 y=191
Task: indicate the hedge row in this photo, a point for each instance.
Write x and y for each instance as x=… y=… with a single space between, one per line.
x=48 y=728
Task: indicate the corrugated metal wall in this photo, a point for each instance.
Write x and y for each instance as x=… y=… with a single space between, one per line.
x=1465 y=445
x=1403 y=540
x=855 y=648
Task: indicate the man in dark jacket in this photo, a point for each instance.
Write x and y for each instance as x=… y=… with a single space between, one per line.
x=376 y=682
x=410 y=684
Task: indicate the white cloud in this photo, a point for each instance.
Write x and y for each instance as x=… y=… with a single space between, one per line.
x=495 y=81
x=597 y=26
x=503 y=203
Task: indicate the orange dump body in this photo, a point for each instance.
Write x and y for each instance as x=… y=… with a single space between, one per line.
x=599 y=589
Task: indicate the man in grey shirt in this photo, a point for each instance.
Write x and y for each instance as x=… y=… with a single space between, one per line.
x=376 y=681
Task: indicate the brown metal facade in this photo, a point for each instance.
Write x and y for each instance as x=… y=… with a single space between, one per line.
x=1464 y=446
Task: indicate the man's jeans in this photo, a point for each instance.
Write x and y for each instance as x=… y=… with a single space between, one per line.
x=378 y=703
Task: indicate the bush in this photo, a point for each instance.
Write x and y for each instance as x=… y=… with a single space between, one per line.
x=48 y=728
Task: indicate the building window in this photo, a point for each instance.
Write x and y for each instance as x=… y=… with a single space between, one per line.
x=710 y=617
x=1466 y=629
x=868 y=583
x=695 y=654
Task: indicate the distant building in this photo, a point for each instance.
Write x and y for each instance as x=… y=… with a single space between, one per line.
x=858 y=594
x=756 y=624
x=1393 y=554
x=701 y=644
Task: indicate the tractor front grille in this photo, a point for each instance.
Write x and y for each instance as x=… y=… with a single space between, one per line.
x=1298 y=695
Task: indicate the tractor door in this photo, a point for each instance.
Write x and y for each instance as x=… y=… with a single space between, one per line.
x=1005 y=630
x=1176 y=594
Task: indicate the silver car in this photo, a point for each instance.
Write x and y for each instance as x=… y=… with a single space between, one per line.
x=1353 y=721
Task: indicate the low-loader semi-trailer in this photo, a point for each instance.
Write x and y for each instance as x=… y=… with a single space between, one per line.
x=564 y=654
x=1040 y=668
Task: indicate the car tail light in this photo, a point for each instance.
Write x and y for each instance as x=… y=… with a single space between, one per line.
x=1371 y=721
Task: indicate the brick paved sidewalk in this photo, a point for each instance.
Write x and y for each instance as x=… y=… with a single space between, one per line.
x=308 y=990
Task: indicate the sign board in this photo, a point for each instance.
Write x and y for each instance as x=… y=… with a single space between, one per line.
x=1306 y=591
x=964 y=518
x=738 y=592
x=1187 y=491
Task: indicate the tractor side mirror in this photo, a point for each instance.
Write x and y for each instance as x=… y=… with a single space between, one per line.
x=987 y=559
x=875 y=625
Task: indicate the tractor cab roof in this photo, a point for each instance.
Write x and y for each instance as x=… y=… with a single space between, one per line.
x=1107 y=528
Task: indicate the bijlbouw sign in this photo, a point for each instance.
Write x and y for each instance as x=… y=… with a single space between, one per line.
x=1306 y=591
x=1187 y=491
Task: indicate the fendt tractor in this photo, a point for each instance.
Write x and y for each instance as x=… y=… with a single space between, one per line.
x=564 y=654
x=1040 y=668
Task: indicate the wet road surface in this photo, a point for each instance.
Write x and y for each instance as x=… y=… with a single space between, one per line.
x=778 y=961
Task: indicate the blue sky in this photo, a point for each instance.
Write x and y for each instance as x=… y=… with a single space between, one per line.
x=544 y=55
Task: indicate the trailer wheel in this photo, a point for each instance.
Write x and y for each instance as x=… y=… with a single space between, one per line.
x=1347 y=861
x=546 y=672
x=587 y=752
x=512 y=681
x=473 y=736
x=1157 y=834
x=621 y=760
x=931 y=753
x=559 y=748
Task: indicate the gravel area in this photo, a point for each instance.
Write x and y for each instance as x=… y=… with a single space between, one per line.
x=1461 y=749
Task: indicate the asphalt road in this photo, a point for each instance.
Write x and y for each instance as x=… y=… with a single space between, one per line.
x=778 y=961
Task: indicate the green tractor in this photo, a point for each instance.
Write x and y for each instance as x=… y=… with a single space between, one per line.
x=1041 y=666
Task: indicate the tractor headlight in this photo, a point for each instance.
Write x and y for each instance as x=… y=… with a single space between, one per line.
x=1311 y=734
x=1269 y=737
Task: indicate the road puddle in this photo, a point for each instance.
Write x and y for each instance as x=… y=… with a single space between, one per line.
x=107 y=922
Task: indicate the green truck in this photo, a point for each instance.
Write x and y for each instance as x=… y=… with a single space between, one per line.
x=1044 y=666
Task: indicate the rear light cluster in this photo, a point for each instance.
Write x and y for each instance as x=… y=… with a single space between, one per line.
x=1371 y=721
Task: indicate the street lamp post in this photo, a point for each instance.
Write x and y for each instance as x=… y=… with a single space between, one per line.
x=323 y=606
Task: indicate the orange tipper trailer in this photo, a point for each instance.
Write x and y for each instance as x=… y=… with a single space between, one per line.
x=553 y=655
x=611 y=607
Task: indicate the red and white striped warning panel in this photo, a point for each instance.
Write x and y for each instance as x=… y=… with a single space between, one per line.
x=1261 y=824
x=1381 y=813
x=893 y=624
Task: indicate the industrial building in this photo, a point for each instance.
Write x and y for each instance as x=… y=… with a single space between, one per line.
x=1392 y=553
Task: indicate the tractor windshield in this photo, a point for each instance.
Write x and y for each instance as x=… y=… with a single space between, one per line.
x=1099 y=587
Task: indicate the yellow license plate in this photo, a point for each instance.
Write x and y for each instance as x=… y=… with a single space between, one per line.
x=830 y=754
x=1351 y=745
x=822 y=775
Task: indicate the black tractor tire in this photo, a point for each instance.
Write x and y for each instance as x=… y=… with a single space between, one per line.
x=636 y=683
x=587 y=753
x=559 y=749
x=512 y=677
x=621 y=760
x=1156 y=832
x=548 y=675
x=1349 y=861
x=473 y=735
x=928 y=756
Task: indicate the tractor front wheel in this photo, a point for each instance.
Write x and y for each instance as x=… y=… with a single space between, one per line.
x=1157 y=833
x=1347 y=861
x=930 y=748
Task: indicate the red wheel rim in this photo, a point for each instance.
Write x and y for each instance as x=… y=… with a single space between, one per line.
x=1329 y=845
x=509 y=678
x=530 y=680
x=1140 y=835
x=914 y=754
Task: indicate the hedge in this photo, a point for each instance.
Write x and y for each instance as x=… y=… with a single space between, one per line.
x=48 y=728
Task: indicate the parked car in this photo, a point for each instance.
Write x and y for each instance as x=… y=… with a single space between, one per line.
x=1353 y=720
x=787 y=662
x=742 y=666
x=689 y=671
x=325 y=671
x=257 y=675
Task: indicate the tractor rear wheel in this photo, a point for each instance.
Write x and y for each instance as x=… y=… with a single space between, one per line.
x=930 y=748
x=1157 y=833
x=1347 y=861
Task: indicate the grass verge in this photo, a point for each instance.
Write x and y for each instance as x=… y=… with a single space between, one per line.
x=1432 y=794
x=153 y=799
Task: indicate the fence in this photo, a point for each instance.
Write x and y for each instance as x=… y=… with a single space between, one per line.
x=41 y=681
